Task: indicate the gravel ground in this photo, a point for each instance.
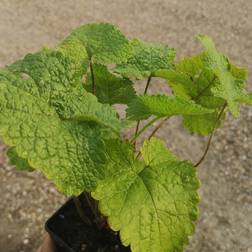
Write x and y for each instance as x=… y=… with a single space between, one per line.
x=226 y=207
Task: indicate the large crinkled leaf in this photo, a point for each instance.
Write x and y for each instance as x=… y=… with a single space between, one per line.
x=228 y=87
x=146 y=58
x=110 y=88
x=152 y=205
x=68 y=152
x=73 y=48
x=85 y=107
x=56 y=78
x=104 y=43
x=20 y=163
x=154 y=152
x=160 y=105
x=52 y=121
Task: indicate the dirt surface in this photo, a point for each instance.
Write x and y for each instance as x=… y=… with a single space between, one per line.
x=226 y=208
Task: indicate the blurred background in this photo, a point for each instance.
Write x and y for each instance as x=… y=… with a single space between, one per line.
x=225 y=225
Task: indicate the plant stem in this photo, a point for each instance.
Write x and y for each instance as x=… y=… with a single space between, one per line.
x=100 y=220
x=206 y=150
x=144 y=128
x=91 y=205
x=80 y=211
x=138 y=123
x=136 y=131
x=154 y=132
x=157 y=128
x=211 y=137
x=92 y=77
x=147 y=85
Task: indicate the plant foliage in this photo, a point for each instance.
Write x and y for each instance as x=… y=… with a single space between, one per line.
x=57 y=116
x=145 y=59
x=152 y=202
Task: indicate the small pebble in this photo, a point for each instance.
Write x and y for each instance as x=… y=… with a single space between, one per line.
x=25 y=241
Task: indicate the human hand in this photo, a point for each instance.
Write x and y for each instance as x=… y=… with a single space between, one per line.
x=47 y=245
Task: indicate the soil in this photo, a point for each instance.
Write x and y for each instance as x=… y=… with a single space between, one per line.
x=225 y=225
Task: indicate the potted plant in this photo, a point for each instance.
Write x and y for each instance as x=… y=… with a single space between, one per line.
x=57 y=114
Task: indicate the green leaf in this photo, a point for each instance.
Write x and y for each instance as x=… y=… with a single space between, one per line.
x=20 y=163
x=54 y=124
x=192 y=81
x=74 y=49
x=146 y=58
x=130 y=196
x=56 y=79
x=203 y=124
x=195 y=79
x=85 y=107
x=110 y=88
x=180 y=83
x=154 y=152
x=160 y=105
x=247 y=99
x=68 y=152
x=104 y=43
x=238 y=72
x=203 y=80
x=228 y=87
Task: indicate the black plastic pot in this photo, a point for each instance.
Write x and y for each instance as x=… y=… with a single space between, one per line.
x=71 y=234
